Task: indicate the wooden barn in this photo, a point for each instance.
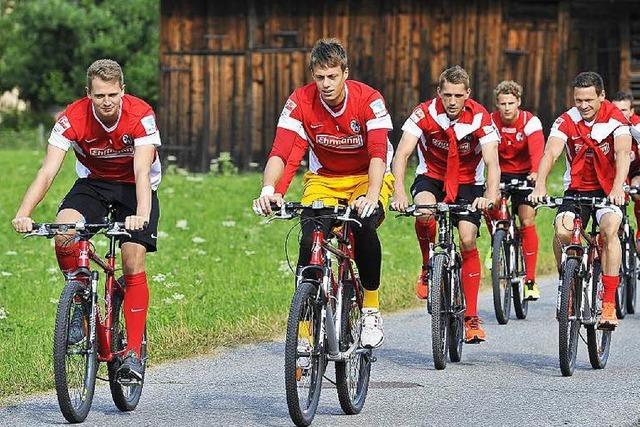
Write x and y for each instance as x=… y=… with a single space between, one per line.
x=228 y=66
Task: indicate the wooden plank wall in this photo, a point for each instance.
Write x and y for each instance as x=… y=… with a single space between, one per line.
x=227 y=68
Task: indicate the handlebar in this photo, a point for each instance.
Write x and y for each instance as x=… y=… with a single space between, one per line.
x=413 y=210
x=290 y=210
x=52 y=229
x=596 y=202
x=516 y=185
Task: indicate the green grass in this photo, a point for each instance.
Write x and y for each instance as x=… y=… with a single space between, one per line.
x=221 y=280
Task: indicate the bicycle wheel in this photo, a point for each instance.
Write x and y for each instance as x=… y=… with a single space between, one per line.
x=632 y=282
x=74 y=365
x=568 y=324
x=439 y=315
x=455 y=335
x=501 y=276
x=125 y=395
x=352 y=375
x=520 y=305
x=304 y=361
x=598 y=341
x=621 y=291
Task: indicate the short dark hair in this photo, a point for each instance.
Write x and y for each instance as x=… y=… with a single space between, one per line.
x=328 y=53
x=588 y=79
x=455 y=75
x=623 y=96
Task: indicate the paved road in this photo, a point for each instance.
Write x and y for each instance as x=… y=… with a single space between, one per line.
x=512 y=379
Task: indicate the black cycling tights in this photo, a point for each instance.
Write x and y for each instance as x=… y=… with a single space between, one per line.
x=368 y=254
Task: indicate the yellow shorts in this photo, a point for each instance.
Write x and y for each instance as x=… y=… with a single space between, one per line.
x=345 y=188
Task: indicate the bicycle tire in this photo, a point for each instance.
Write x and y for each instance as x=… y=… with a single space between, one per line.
x=305 y=307
x=632 y=283
x=455 y=335
x=598 y=341
x=439 y=315
x=352 y=376
x=621 y=290
x=569 y=306
x=500 y=276
x=520 y=305
x=125 y=397
x=73 y=405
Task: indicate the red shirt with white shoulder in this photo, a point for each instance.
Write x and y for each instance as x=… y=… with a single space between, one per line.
x=573 y=130
x=521 y=143
x=341 y=141
x=472 y=129
x=106 y=153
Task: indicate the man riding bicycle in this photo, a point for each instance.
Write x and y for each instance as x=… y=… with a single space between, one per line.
x=520 y=150
x=344 y=123
x=456 y=138
x=114 y=137
x=598 y=142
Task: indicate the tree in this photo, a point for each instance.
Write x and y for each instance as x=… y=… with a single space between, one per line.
x=47 y=45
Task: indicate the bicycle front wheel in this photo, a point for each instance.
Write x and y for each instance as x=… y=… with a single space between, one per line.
x=501 y=276
x=126 y=396
x=455 y=335
x=520 y=305
x=598 y=341
x=352 y=375
x=304 y=361
x=568 y=323
x=632 y=278
x=75 y=360
x=439 y=314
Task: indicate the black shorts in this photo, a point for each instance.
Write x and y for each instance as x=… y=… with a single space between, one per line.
x=467 y=193
x=587 y=212
x=92 y=198
x=519 y=197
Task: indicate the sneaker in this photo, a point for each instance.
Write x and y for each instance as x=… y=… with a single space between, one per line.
x=131 y=368
x=422 y=287
x=608 y=319
x=371 y=333
x=76 y=327
x=473 y=332
x=531 y=291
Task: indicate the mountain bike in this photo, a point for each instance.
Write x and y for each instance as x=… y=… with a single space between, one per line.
x=75 y=364
x=444 y=271
x=581 y=290
x=324 y=317
x=507 y=266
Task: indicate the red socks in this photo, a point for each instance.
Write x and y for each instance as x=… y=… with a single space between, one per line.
x=610 y=286
x=68 y=256
x=471 y=280
x=426 y=232
x=136 y=303
x=530 y=250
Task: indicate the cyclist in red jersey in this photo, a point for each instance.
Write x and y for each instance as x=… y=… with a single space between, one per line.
x=520 y=150
x=344 y=125
x=598 y=143
x=455 y=138
x=624 y=101
x=115 y=138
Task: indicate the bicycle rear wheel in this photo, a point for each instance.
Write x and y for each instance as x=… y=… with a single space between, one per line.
x=598 y=341
x=74 y=364
x=520 y=305
x=352 y=375
x=568 y=324
x=501 y=276
x=304 y=361
x=439 y=314
x=125 y=396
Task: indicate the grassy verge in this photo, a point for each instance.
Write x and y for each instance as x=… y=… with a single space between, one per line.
x=219 y=278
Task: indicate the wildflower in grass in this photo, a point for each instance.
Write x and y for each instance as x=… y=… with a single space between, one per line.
x=200 y=252
x=168 y=300
x=198 y=240
x=229 y=223
x=5 y=274
x=284 y=266
x=11 y=253
x=53 y=300
x=162 y=235
x=182 y=224
x=177 y=296
x=53 y=270
x=171 y=285
x=3 y=313
x=194 y=178
x=249 y=253
x=158 y=277
x=217 y=259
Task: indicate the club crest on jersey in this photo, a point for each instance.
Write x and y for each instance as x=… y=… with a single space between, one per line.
x=519 y=136
x=464 y=147
x=355 y=126
x=127 y=140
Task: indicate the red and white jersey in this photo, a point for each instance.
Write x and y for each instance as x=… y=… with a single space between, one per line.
x=472 y=129
x=106 y=153
x=521 y=144
x=572 y=129
x=341 y=142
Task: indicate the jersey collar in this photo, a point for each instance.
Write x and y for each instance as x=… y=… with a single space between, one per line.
x=115 y=125
x=344 y=105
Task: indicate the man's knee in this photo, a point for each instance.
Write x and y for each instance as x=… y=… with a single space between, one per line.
x=133 y=258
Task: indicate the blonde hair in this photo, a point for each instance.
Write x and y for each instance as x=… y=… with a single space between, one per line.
x=105 y=69
x=508 y=87
x=455 y=75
